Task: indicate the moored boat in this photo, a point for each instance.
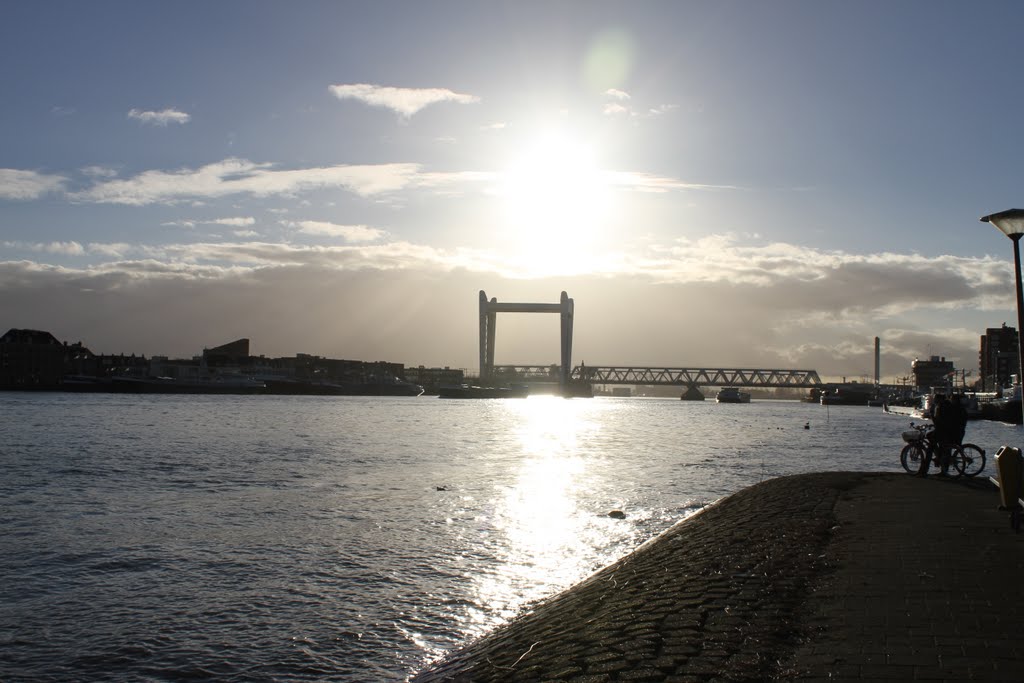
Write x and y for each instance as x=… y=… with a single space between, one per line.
x=1003 y=407
x=732 y=395
x=846 y=396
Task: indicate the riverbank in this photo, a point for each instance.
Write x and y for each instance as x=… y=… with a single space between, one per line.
x=833 y=576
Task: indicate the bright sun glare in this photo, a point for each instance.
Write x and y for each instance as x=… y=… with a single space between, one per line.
x=545 y=532
x=556 y=200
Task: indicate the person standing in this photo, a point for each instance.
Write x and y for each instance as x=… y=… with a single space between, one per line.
x=942 y=436
x=958 y=421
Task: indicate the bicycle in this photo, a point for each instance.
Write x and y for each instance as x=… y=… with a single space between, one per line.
x=965 y=459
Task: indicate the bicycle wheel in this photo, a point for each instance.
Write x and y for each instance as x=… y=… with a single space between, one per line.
x=911 y=457
x=973 y=459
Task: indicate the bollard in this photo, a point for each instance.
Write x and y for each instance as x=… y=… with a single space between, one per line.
x=1010 y=467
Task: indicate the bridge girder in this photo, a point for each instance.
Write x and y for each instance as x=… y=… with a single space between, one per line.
x=739 y=377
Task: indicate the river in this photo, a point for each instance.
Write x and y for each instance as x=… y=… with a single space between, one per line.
x=277 y=538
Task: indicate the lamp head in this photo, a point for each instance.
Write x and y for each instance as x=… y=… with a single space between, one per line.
x=1009 y=222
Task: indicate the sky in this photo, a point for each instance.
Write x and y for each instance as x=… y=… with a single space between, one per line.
x=715 y=184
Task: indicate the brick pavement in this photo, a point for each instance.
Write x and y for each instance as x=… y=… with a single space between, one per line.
x=819 y=577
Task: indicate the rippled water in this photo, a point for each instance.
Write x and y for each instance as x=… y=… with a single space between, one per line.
x=351 y=539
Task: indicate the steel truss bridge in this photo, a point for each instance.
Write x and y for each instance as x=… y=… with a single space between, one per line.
x=566 y=375
x=717 y=377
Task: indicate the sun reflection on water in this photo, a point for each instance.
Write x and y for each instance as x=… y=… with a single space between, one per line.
x=544 y=535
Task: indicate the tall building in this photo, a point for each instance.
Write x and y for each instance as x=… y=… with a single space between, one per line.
x=935 y=372
x=999 y=358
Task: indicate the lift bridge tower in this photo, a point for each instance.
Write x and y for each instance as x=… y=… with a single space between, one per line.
x=488 y=317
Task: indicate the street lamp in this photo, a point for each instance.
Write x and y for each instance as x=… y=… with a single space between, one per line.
x=1011 y=224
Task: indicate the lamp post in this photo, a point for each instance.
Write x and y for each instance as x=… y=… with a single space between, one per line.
x=1011 y=224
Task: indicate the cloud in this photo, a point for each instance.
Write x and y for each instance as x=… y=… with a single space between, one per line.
x=240 y=176
x=234 y=176
x=662 y=109
x=390 y=256
x=647 y=182
x=159 y=118
x=18 y=184
x=404 y=101
x=711 y=303
x=71 y=248
x=99 y=172
x=351 y=233
x=617 y=106
x=245 y=233
x=112 y=250
x=238 y=222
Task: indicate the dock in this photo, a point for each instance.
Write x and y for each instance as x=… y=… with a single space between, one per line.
x=838 y=576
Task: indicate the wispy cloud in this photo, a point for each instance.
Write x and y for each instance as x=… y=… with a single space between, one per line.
x=618 y=105
x=18 y=184
x=237 y=222
x=350 y=233
x=390 y=256
x=235 y=176
x=662 y=109
x=240 y=176
x=159 y=118
x=70 y=248
x=405 y=101
x=99 y=172
x=648 y=182
x=110 y=249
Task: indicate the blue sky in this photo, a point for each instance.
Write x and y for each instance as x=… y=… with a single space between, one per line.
x=715 y=183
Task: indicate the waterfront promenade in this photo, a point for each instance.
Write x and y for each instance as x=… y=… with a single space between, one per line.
x=818 y=577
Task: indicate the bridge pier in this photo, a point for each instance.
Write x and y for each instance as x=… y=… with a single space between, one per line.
x=692 y=393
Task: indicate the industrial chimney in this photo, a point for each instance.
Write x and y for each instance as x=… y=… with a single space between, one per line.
x=877 y=360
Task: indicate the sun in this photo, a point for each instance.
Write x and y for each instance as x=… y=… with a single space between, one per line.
x=555 y=197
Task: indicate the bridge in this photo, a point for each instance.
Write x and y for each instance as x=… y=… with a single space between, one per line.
x=566 y=375
x=697 y=377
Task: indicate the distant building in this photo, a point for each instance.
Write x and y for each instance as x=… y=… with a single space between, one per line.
x=232 y=353
x=120 y=365
x=80 y=361
x=999 y=358
x=432 y=379
x=34 y=359
x=30 y=359
x=935 y=372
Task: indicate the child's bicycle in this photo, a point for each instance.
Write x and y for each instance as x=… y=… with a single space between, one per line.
x=966 y=459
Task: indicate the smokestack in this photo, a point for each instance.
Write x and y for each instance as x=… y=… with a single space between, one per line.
x=877 y=359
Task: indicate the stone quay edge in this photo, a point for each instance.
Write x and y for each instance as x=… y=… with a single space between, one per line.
x=837 y=576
